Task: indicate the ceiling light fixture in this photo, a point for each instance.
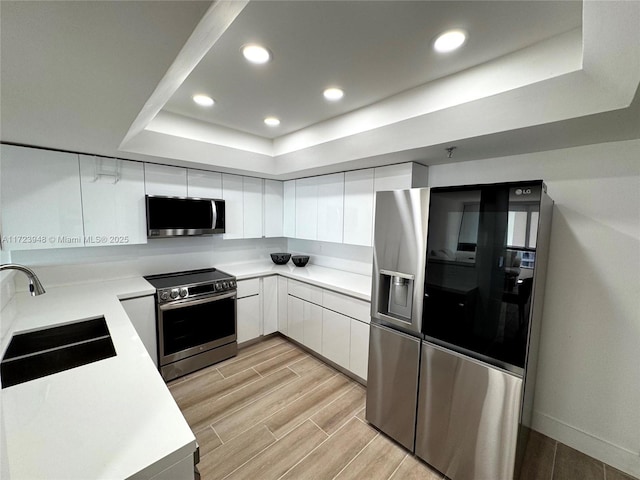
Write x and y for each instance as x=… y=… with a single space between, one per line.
x=256 y=54
x=272 y=121
x=203 y=100
x=333 y=94
x=449 y=41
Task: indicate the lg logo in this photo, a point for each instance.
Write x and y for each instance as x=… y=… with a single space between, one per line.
x=523 y=191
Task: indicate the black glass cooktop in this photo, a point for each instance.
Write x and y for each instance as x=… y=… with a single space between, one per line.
x=178 y=279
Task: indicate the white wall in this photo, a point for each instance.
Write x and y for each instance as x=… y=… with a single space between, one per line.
x=73 y=265
x=588 y=383
x=350 y=258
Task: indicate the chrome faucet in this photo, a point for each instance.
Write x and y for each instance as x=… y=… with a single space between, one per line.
x=35 y=287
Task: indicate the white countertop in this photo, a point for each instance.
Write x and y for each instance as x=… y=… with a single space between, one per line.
x=114 y=418
x=348 y=283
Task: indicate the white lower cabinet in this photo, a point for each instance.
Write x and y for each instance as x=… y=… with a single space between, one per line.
x=269 y=305
x=336 y=337
x=248 y=314
x=142 y=313
x=312 y=326
x=359 y=348
x=295 y=315
x=248 y=318
x=282 y=305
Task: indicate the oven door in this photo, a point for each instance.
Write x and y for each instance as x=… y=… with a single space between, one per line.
x=188 y=327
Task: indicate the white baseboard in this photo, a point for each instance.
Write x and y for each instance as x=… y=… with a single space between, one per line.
x=618 y=457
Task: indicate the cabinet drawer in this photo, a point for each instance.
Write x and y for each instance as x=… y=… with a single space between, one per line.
x=305 y=291
x=352 y=307
x=246 y=288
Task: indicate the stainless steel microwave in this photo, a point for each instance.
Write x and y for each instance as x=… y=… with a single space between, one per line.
x=184 y=216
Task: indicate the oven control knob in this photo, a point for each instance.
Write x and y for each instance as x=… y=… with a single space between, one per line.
x=218 y=286
x=174 y=293
x=183 y=292
x=232 y=283
x=164 y=295
x=225 y=284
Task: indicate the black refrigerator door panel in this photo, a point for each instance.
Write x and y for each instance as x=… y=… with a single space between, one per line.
x=392 y=383
x=468 y=416
x=479 y=272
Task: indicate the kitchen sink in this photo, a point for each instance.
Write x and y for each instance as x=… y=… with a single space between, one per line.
x=51 y=350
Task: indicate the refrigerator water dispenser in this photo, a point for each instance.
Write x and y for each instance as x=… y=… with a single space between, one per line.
x=396 y=295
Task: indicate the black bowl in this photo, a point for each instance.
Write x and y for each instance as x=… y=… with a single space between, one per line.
x=300 y=260
x=280 y=258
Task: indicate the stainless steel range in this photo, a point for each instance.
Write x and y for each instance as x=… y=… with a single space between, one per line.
x=195 y=319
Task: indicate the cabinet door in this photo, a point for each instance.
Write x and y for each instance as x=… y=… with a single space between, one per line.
x=273 y=208
x=307 y=292
x=282 y=305
x=295 y=313
x=336 y=335
x=358 y=207
x=165 y=180
x=330 y=207
x=41 y=202
x=203 y=184
x=234 y=211
x=312 y=326
x=307 y=208
x=289 y=209
x=393 y=177
x=248 y=318
x=142 y=313
x=270 y=305
x=113 y=206
x=252 y=207
x=359 y=349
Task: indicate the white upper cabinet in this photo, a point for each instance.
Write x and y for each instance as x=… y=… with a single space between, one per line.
x=252 y=207
x=232 y=188
x=400 y=176
x=165 y=180
x=41 y=200
x=113 y=204
x=358 y=207
x=273 y=208
x=289 y=209
x=307 y=208
x=331 y=207
x=201 y=184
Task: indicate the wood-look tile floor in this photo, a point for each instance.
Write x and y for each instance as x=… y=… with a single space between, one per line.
x=276 y=412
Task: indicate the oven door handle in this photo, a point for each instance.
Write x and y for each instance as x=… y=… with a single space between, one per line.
x=186 y=302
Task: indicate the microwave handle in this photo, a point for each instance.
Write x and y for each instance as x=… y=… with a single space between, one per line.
x=214 y=214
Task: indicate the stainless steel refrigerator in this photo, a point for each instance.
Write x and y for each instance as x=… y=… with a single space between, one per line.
x=458 y=277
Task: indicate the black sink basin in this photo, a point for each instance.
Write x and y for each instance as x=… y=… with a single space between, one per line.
x=51 y=350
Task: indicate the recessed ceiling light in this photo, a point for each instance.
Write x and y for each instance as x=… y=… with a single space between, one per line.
x=449 y=41
x=333 y=94
x=203 y=100
x=256 y=53
x=272 y=121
